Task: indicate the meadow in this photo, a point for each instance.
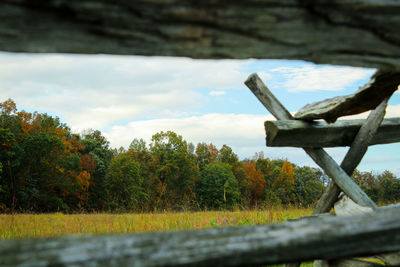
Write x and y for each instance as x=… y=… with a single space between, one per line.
x=58 y=224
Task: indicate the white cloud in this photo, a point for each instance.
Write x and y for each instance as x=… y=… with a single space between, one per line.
x=128 y=97
x=217 y=93
x=244 y=133
x=95 y=91
x=321 y=78
x=392 y=111
x=232 y=129
x=396 y=171
x=265 y=76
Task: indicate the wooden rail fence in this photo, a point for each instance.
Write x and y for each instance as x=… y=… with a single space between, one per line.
x=327 y=238
x=363 y=135
x=360 y=33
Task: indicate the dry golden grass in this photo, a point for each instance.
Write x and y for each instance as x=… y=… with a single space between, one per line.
x=47 y=225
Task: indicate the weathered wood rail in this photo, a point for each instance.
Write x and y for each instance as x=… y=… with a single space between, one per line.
x=320 y=157
x=297 y=133
x=353 y=156
x=348 y=32
x=339 y=174
x=345 y=32
x=324 y=238
x=381 y=86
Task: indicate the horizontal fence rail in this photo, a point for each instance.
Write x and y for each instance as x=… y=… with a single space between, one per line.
x=324 y=238
x=296 y=133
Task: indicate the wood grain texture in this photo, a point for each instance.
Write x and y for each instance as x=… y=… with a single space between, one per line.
x=319 y=155
x=352 y=263
x=326 y=238
x=346 y=206
x=295 y=133
x=391 y=259
x=354 y=155
x=344 y=32
x=340 y=177
x=267 y=98
x=382 y=85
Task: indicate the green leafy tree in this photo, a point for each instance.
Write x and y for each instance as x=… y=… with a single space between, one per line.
x=369 y=184
x=218 y=187
x=123 y=184
x=302 y=175
x=271 y=199
x=46 y=180
x=3 y=207
x=205 y=154
x=226 y=155
x=202 y=155
x=10 y=161
x=390 y=187
x=11 y=153
x=151 y=183
x=245 y=185
x=313 y=191
x=176 y=170
x=40 y=157
x=138 y=145
x=95 y=145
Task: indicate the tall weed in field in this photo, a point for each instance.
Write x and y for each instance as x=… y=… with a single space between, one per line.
x=57 y=224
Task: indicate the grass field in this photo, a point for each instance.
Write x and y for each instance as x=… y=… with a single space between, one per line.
x=57 y=224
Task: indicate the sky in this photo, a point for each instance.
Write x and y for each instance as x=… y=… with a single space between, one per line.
x=127 y=97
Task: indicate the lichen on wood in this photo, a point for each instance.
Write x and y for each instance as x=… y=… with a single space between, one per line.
x=360 y=33
x=382 y=85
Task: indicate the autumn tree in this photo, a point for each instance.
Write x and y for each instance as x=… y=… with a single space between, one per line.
x=41 y=157
x=257 y=181
x=56 y=179
x=8 y=107
x=283 y=185
x=96 y=147
x=264 y=165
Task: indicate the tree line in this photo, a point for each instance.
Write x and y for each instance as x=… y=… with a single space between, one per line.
x=44 y=167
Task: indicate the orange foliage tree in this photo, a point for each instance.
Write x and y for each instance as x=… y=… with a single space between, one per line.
x=257 y=181
x=43 y=164
x=283 y=185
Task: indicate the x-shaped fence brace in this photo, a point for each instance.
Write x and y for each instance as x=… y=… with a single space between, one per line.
x=339 y=174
